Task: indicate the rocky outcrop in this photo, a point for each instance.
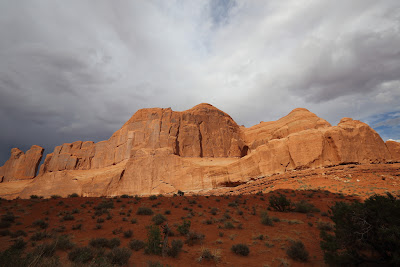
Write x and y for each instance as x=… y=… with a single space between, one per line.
x=394 y=149
x=21 y=165
x=162 y=151
x=203 y=131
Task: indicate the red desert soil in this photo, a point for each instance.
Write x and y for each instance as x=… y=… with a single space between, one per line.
x=321 y=187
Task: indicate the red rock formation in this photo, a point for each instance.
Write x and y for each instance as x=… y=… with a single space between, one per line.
x=394 y=149
x=162 y=151
x=21 y=165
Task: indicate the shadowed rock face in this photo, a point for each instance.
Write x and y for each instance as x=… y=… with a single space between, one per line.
x=162 y=151
x=21 y=165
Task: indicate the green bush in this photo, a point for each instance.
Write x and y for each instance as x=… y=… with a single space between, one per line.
x=136 y=245
x=158 y=219
x=102 y=242
x=77 y=226
x=304 y=206
x=128 y=234
x=240 y=249
x=176 y=247
x=297 y=251
x=144 y=211
x=153 y=240
x=42 y=224
x=18 y=244
x=81 y=255
x=184 y=228
x=193 y=238
x=119 y=256
x=55 y=196
x=280 y=203
x=8 y=217
x=265 y=219
x=63 y=242
x=364 y=233
x=153 y=197
x=68 y=217
x=73 y=195
x=39 y=236
x=229 y=225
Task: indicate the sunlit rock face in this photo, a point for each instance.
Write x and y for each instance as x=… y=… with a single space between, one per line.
x=162 y=151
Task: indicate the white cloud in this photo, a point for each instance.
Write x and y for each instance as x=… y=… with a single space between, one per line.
x=79 y=69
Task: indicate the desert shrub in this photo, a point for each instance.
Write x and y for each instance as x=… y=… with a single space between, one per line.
x=75 y=211
x=18 y=233
x=114 y=242
x=117 y=231
x=19 y=243
x=42 y=224
x=158 y=219
x=73 y=195
x=364 y=233
x=100 y=220
x=81 y=255
x=4 y=224
x=144 y=211
x=297 y=251
x=63 y=242
x=153 y=197
x=128 y=234
x=304 y=206
x=240 y=249
x=119 y=256
x=8 y=217
x=153 y=240
x=280 y=203
x=325 y=226
x=39 y=236
x=102 y=242
x=5 y=232
x=45 y=250
x=133 y=221
x=104 y=205
x=233 y=204
x=176 y=247
x=180 y=193
x=77 y=226
x=34 y=197
x=68 y=217
x=184 y=228
x=207 y=254
x=136 y=245
x=193 y=238
x=214 y=211
x=125 y=196
x=55 y=196
x=167 y=212
x=265 y=219
x=229 y=225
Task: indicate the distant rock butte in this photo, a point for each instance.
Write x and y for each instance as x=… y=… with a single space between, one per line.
x=162 y=151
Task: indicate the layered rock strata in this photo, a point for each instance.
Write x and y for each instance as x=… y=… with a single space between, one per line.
x=162 y=151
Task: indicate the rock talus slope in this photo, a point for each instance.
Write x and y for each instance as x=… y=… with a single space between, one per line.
x=162 y=151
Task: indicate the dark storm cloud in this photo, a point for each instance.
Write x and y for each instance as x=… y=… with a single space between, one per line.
x=77 y=70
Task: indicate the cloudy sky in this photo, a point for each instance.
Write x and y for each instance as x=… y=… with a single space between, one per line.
x=77 y=70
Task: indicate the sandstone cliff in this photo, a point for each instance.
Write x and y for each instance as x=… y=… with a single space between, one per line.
x=162 y=151
x=21 y=165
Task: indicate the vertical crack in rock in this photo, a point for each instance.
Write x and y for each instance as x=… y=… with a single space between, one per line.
x=200 y=140
x=177 y=152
